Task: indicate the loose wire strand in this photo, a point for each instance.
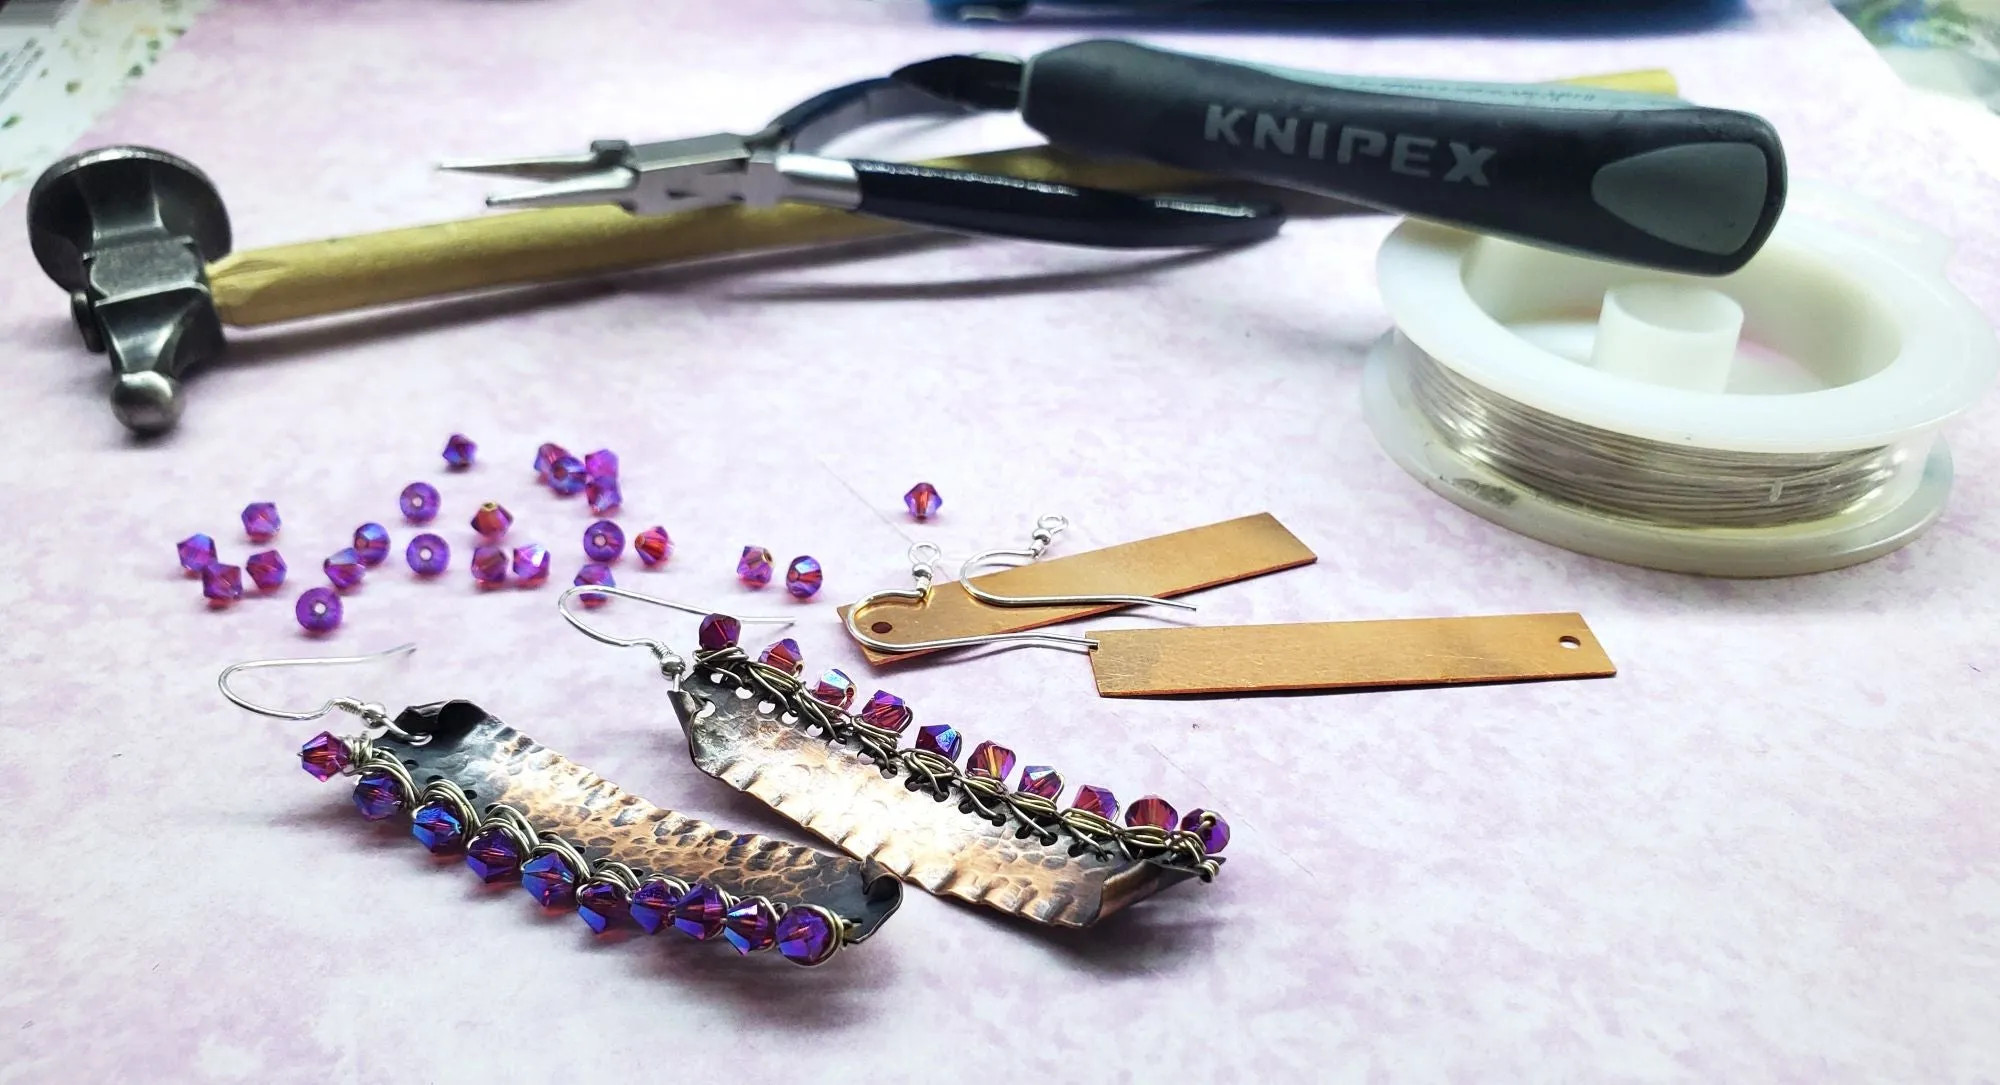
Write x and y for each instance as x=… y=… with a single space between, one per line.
x=1639 y=478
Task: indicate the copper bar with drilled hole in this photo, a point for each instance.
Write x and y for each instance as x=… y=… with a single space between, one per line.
x=494 y=763
x=1165 y=566
x=835 y=791
x=1345 y=655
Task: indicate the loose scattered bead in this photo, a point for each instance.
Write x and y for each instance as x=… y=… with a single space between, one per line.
x=923 y=501
x=260 y=521
x=492 y=520
x=459 y=451
x=566 y=475
x=371 y=544
x=419 y=502
x=603 y=541
x=601 y=465
x=653 y=546
x=754 y=567
x=266 y=569
x=594 y=573
x=531 y=564
x=197 y=552
x=547 y=454
x=428 y=555
x=344 y=568
x=803 y=577
x=222 y=584
x=489 y=566
x=603 y=495
x=318 y=610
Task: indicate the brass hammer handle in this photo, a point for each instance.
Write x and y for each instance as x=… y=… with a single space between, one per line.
x=337 y=275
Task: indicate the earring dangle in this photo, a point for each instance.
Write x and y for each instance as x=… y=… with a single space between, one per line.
x=951 y=829
x=468 y=784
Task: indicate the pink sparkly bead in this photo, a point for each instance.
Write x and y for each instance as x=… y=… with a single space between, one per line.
x=594 y=573
x=492 y=520
x=784 y=656
x=459 y=451
x=603 y=541
x=653 y=546
x=222 y=584
x=318 y=610
x=260 y=521
x=754 y=567
x=489 y=566
x=804 y=577
x=266 y=569
x=531 y=564
x=923 y=501
x=1151 y=811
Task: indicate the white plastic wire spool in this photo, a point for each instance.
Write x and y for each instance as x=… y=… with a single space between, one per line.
x=1780 y=420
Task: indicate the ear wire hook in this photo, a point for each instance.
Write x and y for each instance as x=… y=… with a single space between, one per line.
x=374 y=715
x=922 y=568
x=671 y=663
x=1046 y=529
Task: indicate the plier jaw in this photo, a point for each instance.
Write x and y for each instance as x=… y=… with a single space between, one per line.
x=644 y=178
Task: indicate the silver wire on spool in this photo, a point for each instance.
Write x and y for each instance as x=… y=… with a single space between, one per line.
x=1783 y=419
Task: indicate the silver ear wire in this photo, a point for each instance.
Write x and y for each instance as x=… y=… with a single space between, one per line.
x=671 y=663
x=923 y=569
x=374 y=715
x=1046 y=529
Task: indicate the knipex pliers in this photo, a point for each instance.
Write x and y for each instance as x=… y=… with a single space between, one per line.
x=780 y=164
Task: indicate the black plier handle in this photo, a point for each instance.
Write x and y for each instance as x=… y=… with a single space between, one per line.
x=780 y=164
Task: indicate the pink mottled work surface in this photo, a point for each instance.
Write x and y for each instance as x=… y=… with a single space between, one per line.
x=1769 y=850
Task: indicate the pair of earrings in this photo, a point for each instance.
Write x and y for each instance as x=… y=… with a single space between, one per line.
x=468 y=784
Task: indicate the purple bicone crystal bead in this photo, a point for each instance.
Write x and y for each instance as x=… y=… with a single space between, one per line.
x=344 y=568
x=834 y=688
x=602 y=905
x=1215 y=837
x=700 y=914
x=493 y=854
x=594 y=573
x=437 y=828
x=603 y=495
x=751 y=926
x=806 y=936
x=325 y=756
x=718 y=631
x=222 y=584
x=566 y=475
x=419 y=502
x=547 y=454
x=377 y=795
x=1151 y=810
x=197 y=552
x=754 y=567
x=266 y=569
x=260 y=521
x=603 y=541
x=941 y=739
x=803 y=577
x=428 y=555
x=318 y=610
x=923 y=501
x=652 y=545
x=990 y=760
x=653 y=905
x=489 y=566
x=887 y=711
x=371 y=544
x=1096 y=800
x=531 y=564
x=550 y=879
x=492 y=520
x=784 y=656
x=601 y=464
x=1041 y=780
x=459 y=452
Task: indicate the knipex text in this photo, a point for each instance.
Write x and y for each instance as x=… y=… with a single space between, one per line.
x=1411 y=155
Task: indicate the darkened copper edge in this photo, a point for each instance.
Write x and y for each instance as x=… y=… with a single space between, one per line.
x=834 y=791
x=495 y=763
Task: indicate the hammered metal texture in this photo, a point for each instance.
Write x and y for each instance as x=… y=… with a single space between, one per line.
x=831 y=790
x=496 y=763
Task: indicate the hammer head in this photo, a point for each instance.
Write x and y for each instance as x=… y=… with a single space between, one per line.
x=129 y=232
